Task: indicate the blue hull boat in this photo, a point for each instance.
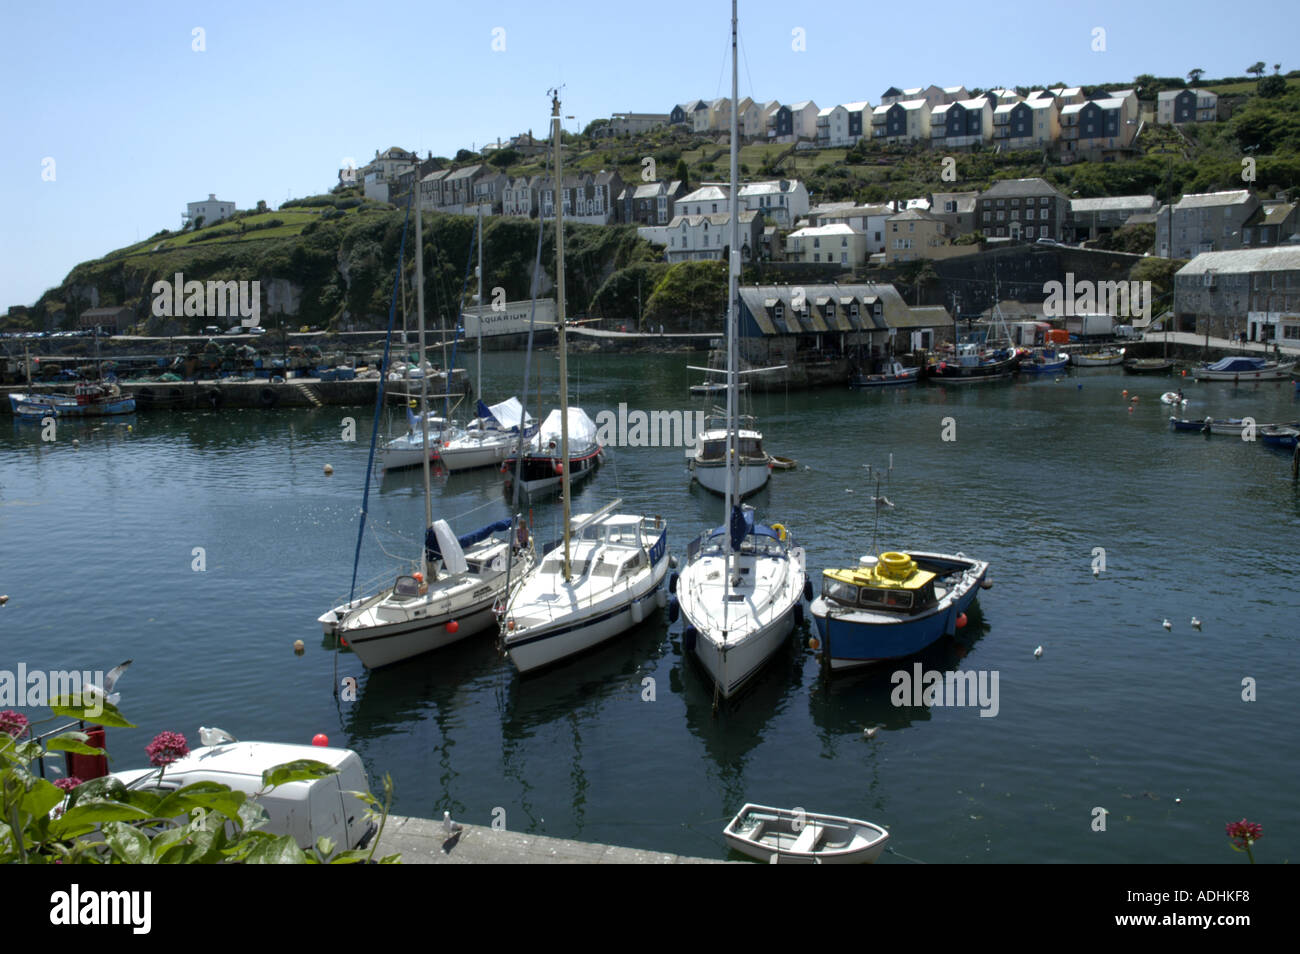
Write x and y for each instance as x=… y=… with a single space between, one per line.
x=893 y=607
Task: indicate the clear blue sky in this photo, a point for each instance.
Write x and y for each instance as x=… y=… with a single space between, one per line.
x=138 y=123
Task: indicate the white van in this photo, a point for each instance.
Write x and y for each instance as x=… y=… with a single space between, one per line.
x=305 y=810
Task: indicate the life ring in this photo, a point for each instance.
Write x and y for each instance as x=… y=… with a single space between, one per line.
x=268 y=397
x=780 y=529
x=897 y=566
x=557 y=467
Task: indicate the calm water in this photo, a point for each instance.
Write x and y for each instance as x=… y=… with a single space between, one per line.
x=96 y=548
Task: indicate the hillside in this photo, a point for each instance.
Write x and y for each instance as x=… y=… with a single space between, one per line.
x=329 y=260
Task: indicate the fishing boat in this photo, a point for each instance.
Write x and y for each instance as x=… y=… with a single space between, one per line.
x=101 y=399
x=1279 y=435
x=894 y=374
x=606 y=573
x=1106 y=357
x=1242 y=368
x=453 y=593
x=894 y=605
x=973 y=363
x=1227 y=427
x=793 y=836
x=544 y=463
x=741 y=584
x=1043 y=361
x=708 y=462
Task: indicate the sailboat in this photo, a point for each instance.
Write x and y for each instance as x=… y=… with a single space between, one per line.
x=452 y=595
x=607 y=573
x=486 y=440
x=740 y=588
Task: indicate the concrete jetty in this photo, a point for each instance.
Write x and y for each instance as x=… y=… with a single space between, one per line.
x=422 y=841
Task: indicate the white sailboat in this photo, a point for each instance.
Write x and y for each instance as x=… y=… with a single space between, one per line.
x=452 y=595
x=608 y=571
x=740 y=589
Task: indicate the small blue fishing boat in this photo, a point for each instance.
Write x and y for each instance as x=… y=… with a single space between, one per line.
x=87 y=400
x=1043 y=361
x=893 y=606
x=1279 y=435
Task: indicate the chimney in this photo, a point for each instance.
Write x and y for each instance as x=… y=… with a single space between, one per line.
x=212 y=197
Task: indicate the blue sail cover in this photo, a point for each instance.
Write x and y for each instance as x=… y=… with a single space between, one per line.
x=1240 y=365
x=742 y=525
x=434 y=551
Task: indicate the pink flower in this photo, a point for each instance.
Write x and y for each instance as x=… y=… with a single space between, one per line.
x=67 y=784
x=13 y=723
x=166 y=748
x=1244 y=833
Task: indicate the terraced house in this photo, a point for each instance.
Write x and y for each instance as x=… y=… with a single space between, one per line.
x=1204 y=222
x=1178 y=106
x=1030 y=124
x=1101 y=126
x=900 y=122
x=963 y=123
x=1022 y=209
x=1251 y=290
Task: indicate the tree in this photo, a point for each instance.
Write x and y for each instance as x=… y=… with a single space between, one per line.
x=1257 y=69
x=464 y=155
x=261 y=205
x=594 y=126
x=1194 y=76
x=1271 y=87
x=682 y=173
x=503 y=158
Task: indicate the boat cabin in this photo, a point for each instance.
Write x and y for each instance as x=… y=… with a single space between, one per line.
x=894 y=583
x=713 y=447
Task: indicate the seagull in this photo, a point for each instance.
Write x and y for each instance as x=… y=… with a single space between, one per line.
x=106 y=693
x=1167 y=625
x=882 y=503
x=214 y=736
x=1096 y=571
x=1038 y=652
x=870 y=733
x=449 y=827
x=4 y=600
x=1196 y=624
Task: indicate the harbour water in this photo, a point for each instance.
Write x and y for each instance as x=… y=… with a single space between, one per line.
x=98 y=554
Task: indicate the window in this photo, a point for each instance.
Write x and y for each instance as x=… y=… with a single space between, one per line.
x=988 y=216
x=1043 y=201
x=1002 y=217
x=1029 y=213
x=1001 y=203
x=817 y=243
x=1015 y=203
x=1029 y=232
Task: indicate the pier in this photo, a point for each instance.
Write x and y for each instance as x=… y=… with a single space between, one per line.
x=422 y=841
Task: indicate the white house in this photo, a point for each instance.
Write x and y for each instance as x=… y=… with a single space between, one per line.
x=211 y=210
x=866 y=219
x=703 y=237
x=836 y=244
x=706 y=200
x=784 y=200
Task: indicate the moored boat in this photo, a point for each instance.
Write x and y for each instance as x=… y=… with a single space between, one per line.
x=1279 y=435
x=1243 y=368
x=972 y=364
x=1043 y=361
x=793 y=836
x=1106 y=357
x=1149 y=366
x=894 y=374
x=544 y=463
x=708 y=463
x=894 y=605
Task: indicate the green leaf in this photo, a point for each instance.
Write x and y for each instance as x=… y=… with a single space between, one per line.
x=86 y=815
x=95 y=709
x=105 y=787
x=277 y=851
x=299 y=770
x=325 y=846
x=72 y=742
x=167 y=839
x=201 y=848
x=128 y=845
x=41 y=798
x=209 y=796
x=18 y=753
x=252 y=815
x=351 y=857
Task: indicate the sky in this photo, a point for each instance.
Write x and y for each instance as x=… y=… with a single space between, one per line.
x=114 y=116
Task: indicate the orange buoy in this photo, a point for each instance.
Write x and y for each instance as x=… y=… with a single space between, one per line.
x=510 y=624
x=419 y=577
x=1125 y=392
x=814 y=642
x=452 y=626
x=1130 y=408
x=961 y=621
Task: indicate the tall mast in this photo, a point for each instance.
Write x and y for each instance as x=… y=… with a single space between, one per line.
x=424 y=376
x=559 y=312
x=479 y=384
x=733 y=473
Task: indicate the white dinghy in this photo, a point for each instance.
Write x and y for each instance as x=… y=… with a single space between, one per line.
x=793 y=836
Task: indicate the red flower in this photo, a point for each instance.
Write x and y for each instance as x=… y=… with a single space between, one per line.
x=13 y=723
x=1244 y=833
x=67 y=784
x=166 y=748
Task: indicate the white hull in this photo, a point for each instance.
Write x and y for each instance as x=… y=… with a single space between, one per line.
x=713 y=478
x=1279 y=373
x=385 y=645
x=733 y=664
x=391 y=458
x=578 y=637
x=793 y=836
x=470 y=456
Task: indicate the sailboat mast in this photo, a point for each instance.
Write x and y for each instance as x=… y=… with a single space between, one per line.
x=559 y=312
x=733 y=473
x=479 y=383
x=424 y=377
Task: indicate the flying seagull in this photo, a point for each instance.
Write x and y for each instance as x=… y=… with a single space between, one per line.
x=106 y=692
